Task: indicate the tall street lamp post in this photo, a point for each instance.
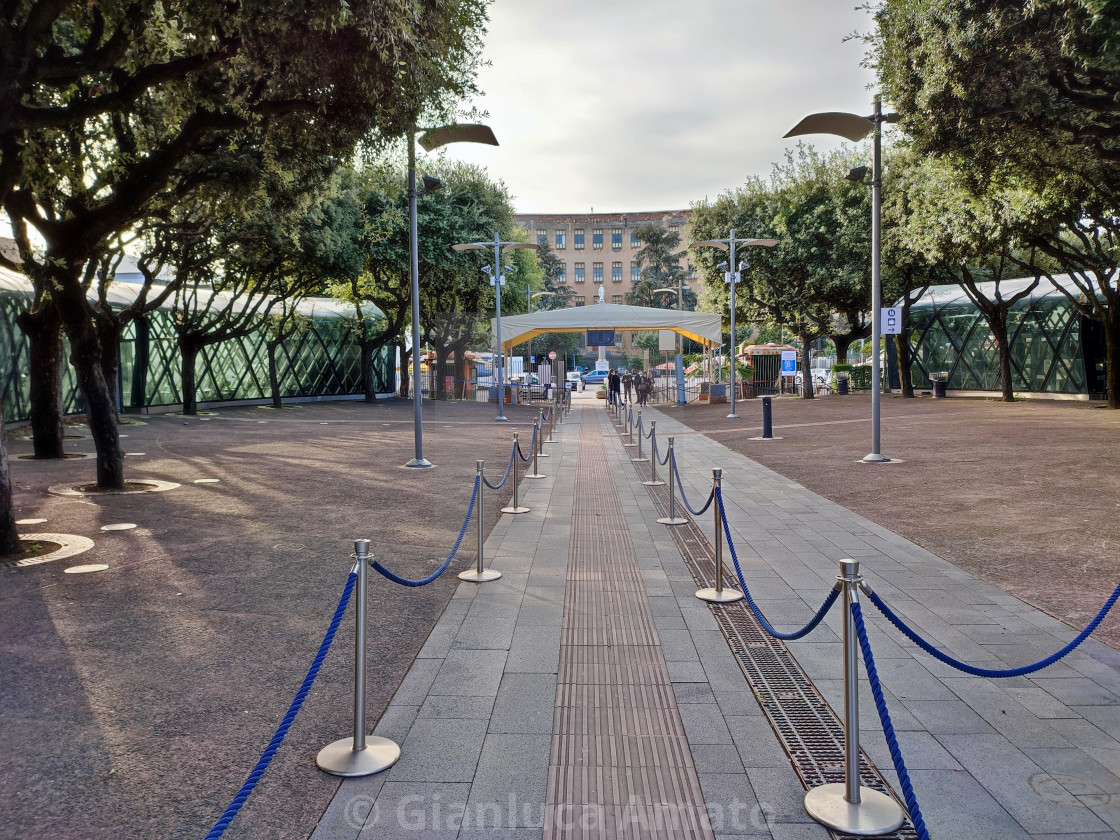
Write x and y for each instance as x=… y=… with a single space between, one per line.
x=854 y=128
x=497 y=280
x=732 y=275
x=430 y=139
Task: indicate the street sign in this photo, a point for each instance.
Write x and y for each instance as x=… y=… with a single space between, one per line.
x=789 y=363
x=890 y=320
x=552 y=355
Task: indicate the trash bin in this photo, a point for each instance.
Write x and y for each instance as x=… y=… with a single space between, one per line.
x=841 y=384
x=940 y=381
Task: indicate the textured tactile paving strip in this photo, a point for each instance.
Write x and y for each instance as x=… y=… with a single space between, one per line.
x=620 y=765
x=806 y=725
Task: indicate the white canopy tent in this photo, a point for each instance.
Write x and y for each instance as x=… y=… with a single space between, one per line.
x=703 y=327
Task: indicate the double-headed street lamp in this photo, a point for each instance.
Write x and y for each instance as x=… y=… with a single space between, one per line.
x=497 y=276
x=854 y=127
x=430 y=139
x=731 y=276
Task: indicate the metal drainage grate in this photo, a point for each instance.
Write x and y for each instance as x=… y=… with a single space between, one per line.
x=809 y=730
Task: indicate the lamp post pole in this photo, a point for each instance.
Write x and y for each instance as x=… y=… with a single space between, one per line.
x=731 y=277
x=854 y=127
x=496 y=278
x=430 y=139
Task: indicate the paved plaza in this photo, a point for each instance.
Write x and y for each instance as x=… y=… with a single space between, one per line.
x=589 y=693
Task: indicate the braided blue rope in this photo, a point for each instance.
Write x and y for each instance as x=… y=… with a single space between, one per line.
x=255 y=776
x=990 y=672
x=684 y=500
x=532 y=445
x=659 y=461
x=509 y=466
x=423 y=582
x=888 y=727
x=797 y=634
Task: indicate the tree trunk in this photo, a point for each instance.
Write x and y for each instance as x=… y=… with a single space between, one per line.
x=1111 y=323
x=406 y=380
x=188 y=352
x=273 y=376
x=807 y=389
x=43 y=329
x=109 y=335
x=369 y=386
x=998 y=324
x=442 y=355
x=85 y=357
x=905 y=380
x=9 y=535
x=842 y=342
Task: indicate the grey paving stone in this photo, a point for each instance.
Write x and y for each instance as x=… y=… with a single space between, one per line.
x=940 y=795
x=525 y=704
x=450 y=707
x=423 y=810
x=1020 y=786
x=439 y=751
x=799 y=831
x=535 y=649
x=677 y=645
x=686 y=672
x=716 y=758
x=704 y=723
x=470 y=673
x=417 y=682
x=349 y=809
x=396 y=722
x=511 y=781
x=742 y=702
x=947 y=717
x=1075 y=690
x=693 y=692
x=779 y=793
x=732 y=807
x=758 y=744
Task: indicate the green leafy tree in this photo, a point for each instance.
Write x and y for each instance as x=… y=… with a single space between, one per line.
x=112 y=110
x=1023 y=92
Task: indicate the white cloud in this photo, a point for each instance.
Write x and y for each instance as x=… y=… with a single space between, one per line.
x=627 y=105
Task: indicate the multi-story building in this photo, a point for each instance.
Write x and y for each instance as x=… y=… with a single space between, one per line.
x=599 y=250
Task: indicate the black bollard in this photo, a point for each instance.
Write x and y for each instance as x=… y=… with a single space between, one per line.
x=767 y=419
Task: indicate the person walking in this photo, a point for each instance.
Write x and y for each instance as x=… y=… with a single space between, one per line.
x=627 y=383
x=614 y=387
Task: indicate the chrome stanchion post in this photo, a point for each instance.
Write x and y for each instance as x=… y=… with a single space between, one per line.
x=540 y=441
x=641 y=458
x=847 y=806
x=515 y=507
x=536 y=473
x=359 y=755
x=672 y=518
x=717 y=594
x=479 y=574
x=654 y=480
x=630 y=427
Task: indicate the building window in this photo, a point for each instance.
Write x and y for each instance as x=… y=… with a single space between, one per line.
x=562 y=273
x=561 y=240
x=635 y=242
x=675 y=229
x=581 y=301
x=616 y=298
x=635 y=272
x=597 y=272
x=616 y=239
x=616 y=272
x=579 y=273
x=597 y=239
x=577 y=239
x=542 y=237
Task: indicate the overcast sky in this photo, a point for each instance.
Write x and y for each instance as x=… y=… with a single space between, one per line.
x=629 y=105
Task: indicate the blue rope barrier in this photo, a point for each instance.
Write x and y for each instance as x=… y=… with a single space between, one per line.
x=659 y=461
x=990 y=672
x=532 y=445
x=509 y=466
x=797 y=634
x=425 y=581
x=277 y=739
x=684 y=499
x=888 y=727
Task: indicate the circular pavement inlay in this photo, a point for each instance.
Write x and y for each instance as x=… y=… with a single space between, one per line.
x=207 y=480
x=90 y=567
x=30 y=521
x=147 y=485
x=70 y=545
x=119 y=526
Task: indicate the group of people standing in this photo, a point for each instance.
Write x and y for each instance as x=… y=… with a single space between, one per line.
x=633 y=383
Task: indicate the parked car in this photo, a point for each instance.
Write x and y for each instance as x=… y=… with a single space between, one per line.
x=595 y=377
x=574 y=381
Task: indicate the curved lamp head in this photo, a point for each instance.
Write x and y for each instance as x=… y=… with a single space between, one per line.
x=465 y=133
x=849 y=126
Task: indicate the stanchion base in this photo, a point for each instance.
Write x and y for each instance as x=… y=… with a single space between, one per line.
x=876 y=813
x=420 y=464
x=639 y=460
x=732 y=416
x=722 y=596
x=543 y=454
x=502 y=419
x=535 y=475
x=341 y=759
x=658 y=483
x=515 y=510
x=875 y=458
x=765 y=438
x=475 y=576
x=628 y=445
x=665 y=520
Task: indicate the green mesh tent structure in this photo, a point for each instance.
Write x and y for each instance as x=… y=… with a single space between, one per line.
x=321 y=361
x=1054 y=350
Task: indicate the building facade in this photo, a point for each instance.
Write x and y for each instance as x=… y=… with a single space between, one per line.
x=599 y=250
